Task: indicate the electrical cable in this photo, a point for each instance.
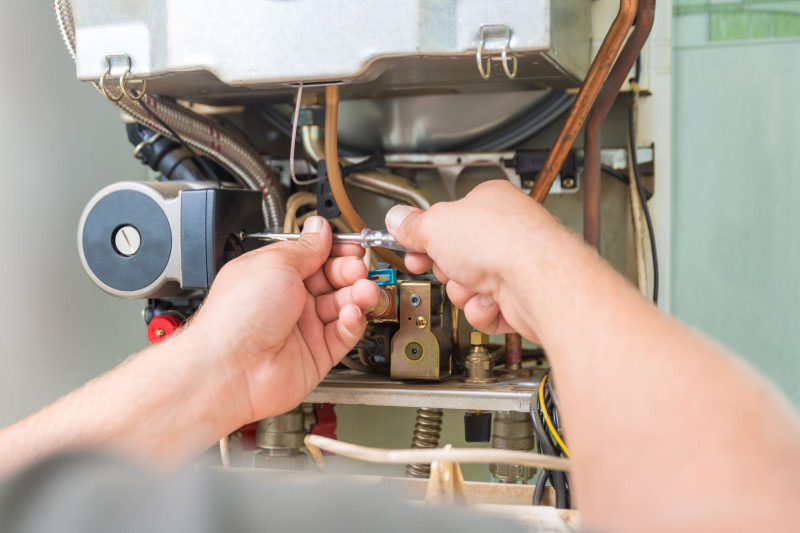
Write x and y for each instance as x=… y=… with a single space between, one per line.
x=557 y=479
x=539 y=490
x=225 y=451
x=294 y=142
x=207 y=171
x=619 y=176
x=532 y=120
x=547 y=419
x=641 y=193
x=316 y=443
x=335 y=176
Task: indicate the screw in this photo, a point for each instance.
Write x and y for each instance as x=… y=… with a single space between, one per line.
x=127 y=241
x=415 y=300
x=568 y=183
x=421 y=322
x=160 y=332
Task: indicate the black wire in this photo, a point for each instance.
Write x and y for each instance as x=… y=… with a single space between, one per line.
x=559 y=480
x=204 y=168
x=539 y=490
x=640 y=189
x=623 y=178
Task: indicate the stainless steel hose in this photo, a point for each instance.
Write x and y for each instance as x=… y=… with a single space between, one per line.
x=199 y=132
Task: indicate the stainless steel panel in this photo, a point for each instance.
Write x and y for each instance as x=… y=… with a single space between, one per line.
x=351 y=388
x=204 y=49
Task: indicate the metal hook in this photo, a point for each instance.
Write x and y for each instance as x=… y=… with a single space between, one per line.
x=513 y=72
x=137 y=151
x=488 y=72
x=105 y=91
x=123 y=86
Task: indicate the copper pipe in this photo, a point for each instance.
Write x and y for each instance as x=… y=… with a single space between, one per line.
x=586 y=96
x=335 y=177
x=645 y=14
x=513 y=351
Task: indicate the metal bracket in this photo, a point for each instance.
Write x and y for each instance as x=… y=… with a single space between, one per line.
x=486 y=73
x=123 y=81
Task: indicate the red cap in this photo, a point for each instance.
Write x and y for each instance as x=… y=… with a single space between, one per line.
x=161 y=327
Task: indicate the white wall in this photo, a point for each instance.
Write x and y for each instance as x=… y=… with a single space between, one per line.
x=60 y=142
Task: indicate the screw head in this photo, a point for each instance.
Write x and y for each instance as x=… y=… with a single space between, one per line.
x=568 y=183
x=415 y=300
x=127 y=241
x=413 y=351
x=421 y=322
x=160 y=332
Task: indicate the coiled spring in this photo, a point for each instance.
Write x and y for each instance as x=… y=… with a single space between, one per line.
x=427 y=429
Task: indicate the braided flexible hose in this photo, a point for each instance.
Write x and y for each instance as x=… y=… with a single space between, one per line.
x=199 y=132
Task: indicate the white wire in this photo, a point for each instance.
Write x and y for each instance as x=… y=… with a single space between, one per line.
x=225 y=451
x=315 y=443
x=294 y=140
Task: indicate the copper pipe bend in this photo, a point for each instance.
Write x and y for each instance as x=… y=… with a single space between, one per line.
x=586 y=96
x=645 y=15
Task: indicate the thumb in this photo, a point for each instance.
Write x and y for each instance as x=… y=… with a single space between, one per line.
x=310 y=251
x=405 y=224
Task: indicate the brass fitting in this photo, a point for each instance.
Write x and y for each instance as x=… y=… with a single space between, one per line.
x=512 y=431
x=479 y=363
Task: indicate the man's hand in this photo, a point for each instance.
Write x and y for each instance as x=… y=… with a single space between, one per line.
x=473 y=246
x=282 y=316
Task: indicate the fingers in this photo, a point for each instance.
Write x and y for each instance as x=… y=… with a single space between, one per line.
x=404 y=223
x=484 y=315
x=307 y=254
x=459 y=294
x=342 y=334
x=418 y=263
x=335 y=274
x=341 y=250
x=363 y=294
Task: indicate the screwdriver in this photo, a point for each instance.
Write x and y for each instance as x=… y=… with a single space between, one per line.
x=368 y=238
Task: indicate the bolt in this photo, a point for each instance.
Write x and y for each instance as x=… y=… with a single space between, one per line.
x=127 y=241
x=421 y=322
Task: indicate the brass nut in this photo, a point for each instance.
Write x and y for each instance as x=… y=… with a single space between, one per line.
x=421 y=322
x=160 y=332
x=477 y=338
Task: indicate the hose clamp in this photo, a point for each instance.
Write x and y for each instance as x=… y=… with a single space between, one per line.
x=123 y=81
x=511 y=71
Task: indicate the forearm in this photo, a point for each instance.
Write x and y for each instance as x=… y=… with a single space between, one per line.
x=628 y=376
x=162 y=405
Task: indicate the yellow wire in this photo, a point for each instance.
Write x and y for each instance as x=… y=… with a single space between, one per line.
x=547 y=418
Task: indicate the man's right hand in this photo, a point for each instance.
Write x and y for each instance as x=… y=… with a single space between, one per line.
x=477 y=246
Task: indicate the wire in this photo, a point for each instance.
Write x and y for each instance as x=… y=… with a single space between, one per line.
x=558 y=480
x=225 y=451
x=335 y=176
x=315 y=443
x=547 y=417
x=642 y=197
x=623 y=178
x=294 y=141
x=204 y=168
x=539 y=490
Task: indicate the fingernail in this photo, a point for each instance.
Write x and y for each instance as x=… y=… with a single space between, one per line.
x=486 y=301
x=312 y=225
x=396 y=216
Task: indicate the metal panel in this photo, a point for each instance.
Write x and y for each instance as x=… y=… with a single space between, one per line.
x=200 y=48
x=351 y=388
